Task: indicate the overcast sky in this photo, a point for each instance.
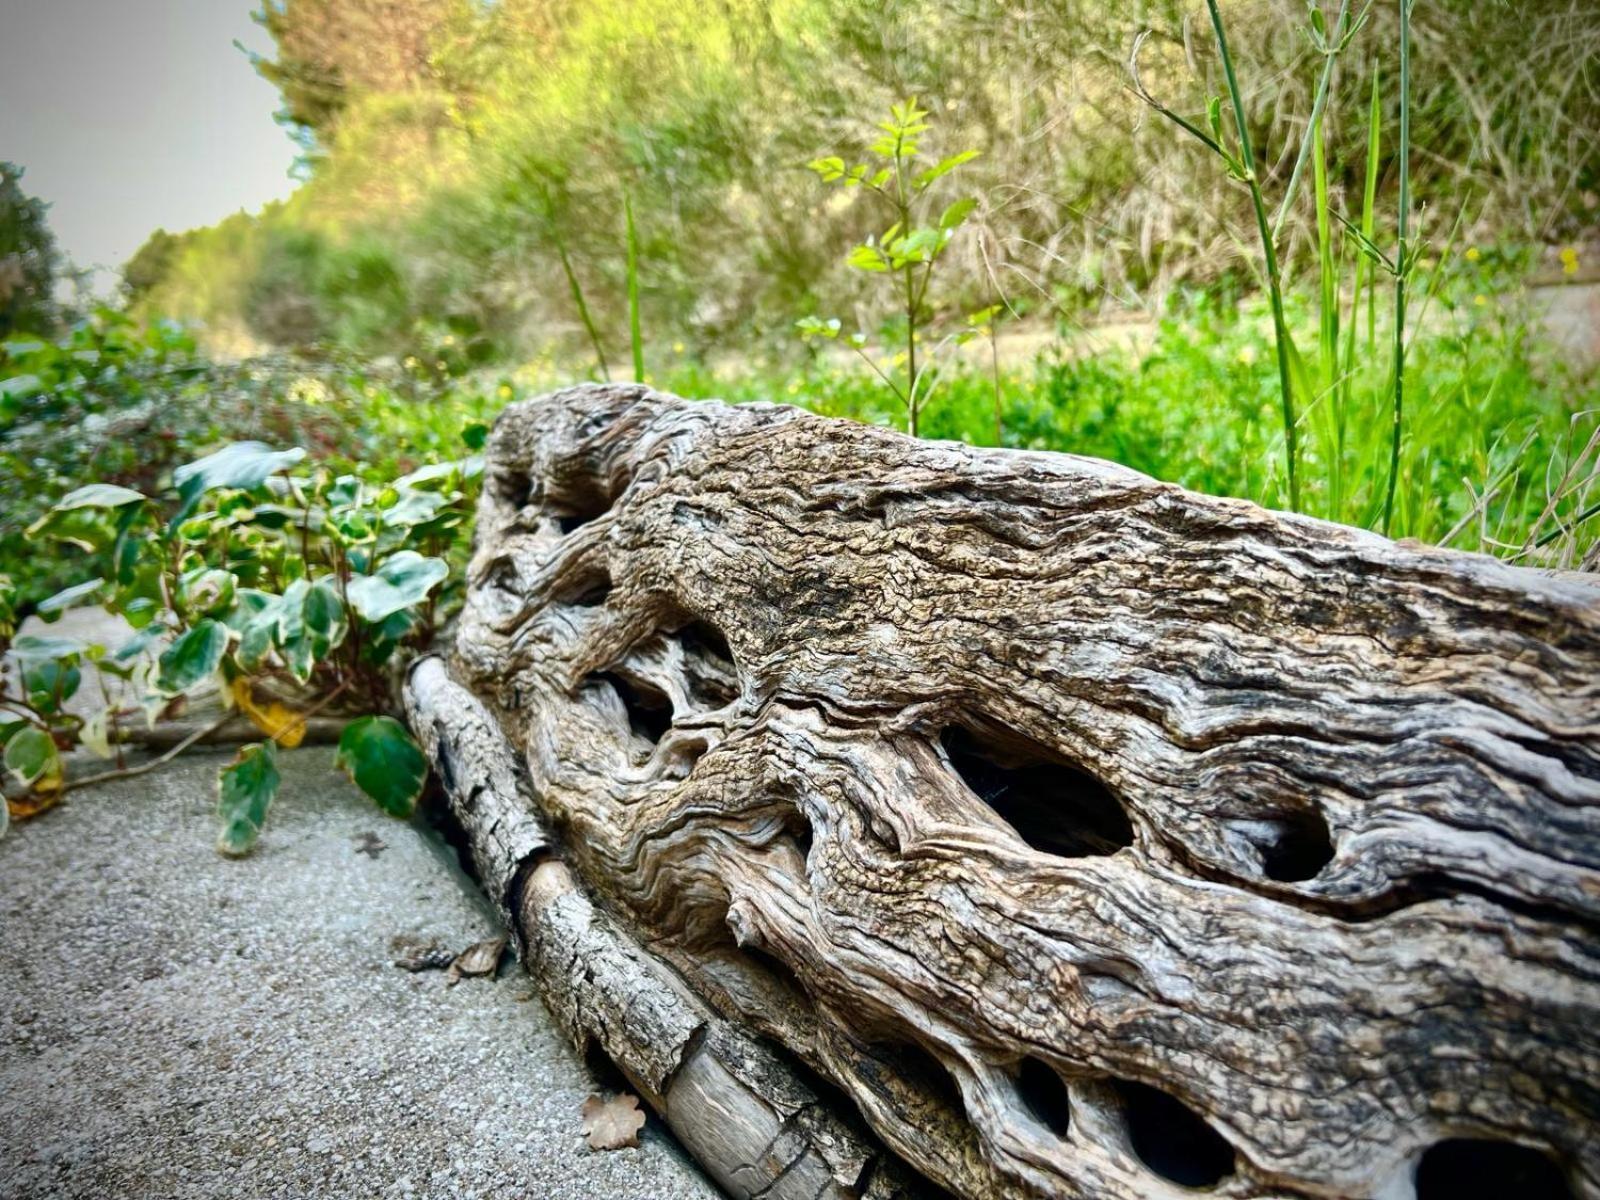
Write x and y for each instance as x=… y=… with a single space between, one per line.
x=129 y=115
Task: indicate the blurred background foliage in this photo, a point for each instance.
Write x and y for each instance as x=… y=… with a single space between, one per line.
x=450 y=146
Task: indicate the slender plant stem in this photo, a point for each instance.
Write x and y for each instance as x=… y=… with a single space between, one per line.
x=911 y=347
x=582 y=304
x=1369 y=204
x=200 y=734
x=73 y=785
x=1328 y=333
x=1402 y=265
x=1268 y=251
x=634 y=333
x=1550 y=536
x=994 y=370
x=1317 y=105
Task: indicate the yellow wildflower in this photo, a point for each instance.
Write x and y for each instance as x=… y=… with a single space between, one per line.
x=1473 y=254
x=1480 y=300
x=1569 y=260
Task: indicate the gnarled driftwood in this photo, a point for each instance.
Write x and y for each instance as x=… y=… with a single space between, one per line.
x=1095 y=838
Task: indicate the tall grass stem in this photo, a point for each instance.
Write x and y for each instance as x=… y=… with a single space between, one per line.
x=1269 y=254
x=1402 y=265
x=635 y=335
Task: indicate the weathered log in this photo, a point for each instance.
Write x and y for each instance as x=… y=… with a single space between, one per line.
x=757 y=1128
x=1094 y=837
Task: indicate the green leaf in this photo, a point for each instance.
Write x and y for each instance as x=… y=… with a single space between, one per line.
x=259 y=632
x=466 y=468
x=50 y=683
x=81 y=593
x=209 y=592
x=413 y=507
x=84 y=500
x=97 y=495
x=957 y=213
x=20 y=387
x=31 y=757
x=193 y=657
x=811 y=327
x=385 y=762
x=867 y=257
x=829 y=169
x=943 y=167
x=324 y=617
x=30 y=647
x=404 y=579
x=245 y=789
x=1299 y=375
x=242 y=465
x=139 y=643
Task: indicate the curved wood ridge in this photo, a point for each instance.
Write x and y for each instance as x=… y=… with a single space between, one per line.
x=1097 y=838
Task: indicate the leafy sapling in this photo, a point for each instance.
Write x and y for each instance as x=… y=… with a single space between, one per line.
x=907 y=250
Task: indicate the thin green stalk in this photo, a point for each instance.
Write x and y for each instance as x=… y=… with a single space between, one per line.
x=1402 y=265
x=635 y=336
x=902 y=204
x=1330 y=56
x=1328 y=332
x=1369 y=204
x=577 y=298
x=994 y=368
x=1269 y=253
x=1364 y=285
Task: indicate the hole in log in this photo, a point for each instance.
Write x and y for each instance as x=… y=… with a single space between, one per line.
x=798 y=831
x=920 y=1072
x=1044 y=1094
x=711 y=673
x=777 y=968
x=576 y=501
x=649 y=711
x=589 y=590
x=1300 y=848
x=1480 y=1169
x=1054 y=807
x=1171 y=1138
x=514 y=487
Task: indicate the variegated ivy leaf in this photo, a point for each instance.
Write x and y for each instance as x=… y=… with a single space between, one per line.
x=83 y=593
x=385 y=762
x=194 y=656
x=245 y=789
x=401 y=580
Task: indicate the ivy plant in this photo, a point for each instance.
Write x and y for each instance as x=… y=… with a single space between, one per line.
x=289 y=591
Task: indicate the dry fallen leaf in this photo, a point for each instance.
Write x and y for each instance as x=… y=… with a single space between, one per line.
x=279 y=722
x=614 y=1123
x=480 y=958
x=414 y=954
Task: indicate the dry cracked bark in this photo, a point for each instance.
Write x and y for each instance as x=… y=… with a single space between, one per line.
x=1094 y=837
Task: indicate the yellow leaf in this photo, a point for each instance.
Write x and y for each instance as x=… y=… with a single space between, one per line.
x=278 y=721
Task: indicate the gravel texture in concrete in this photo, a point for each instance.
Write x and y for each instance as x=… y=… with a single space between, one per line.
x=175 y=1024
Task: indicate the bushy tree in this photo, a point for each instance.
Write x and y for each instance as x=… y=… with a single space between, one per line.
x=30 y=263
x=332 y=51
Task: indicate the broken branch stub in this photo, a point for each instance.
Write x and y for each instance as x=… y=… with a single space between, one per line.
x=1094 y=837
